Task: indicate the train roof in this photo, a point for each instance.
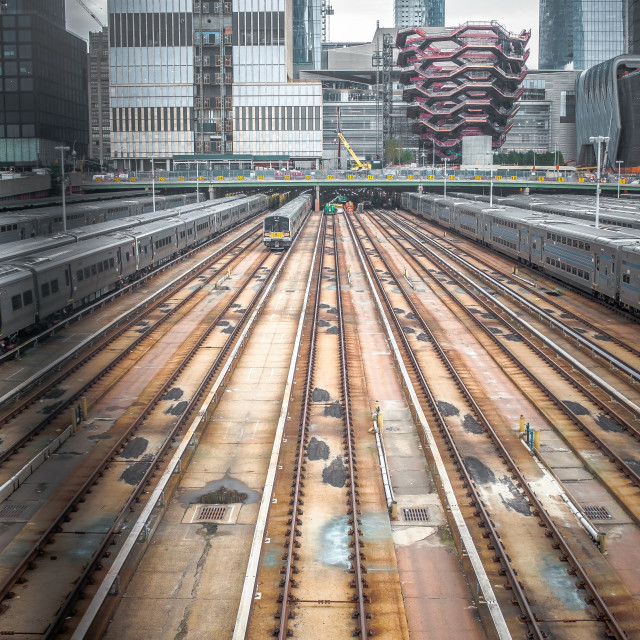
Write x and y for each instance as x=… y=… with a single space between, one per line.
x=288 y=209
x=62 y=255
x=24 y=248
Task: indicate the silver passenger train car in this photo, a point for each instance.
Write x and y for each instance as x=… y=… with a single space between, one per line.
x=604 y=262
x=52 y=281
x=281 y=227
x=46 y=221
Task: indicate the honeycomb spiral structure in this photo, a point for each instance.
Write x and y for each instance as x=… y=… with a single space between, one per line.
x=461 y=82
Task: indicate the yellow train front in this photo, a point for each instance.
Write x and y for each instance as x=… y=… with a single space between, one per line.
x=280 y=228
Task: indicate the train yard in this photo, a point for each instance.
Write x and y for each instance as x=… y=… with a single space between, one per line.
x=386 y=431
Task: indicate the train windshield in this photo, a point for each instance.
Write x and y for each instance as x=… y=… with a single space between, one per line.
x=275 y=224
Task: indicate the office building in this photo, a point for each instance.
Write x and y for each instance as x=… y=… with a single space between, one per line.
x=578 y=35
x=99 y=114
x=211 y=82
x=633 y=26
x=418 y=13
x=607 y=96
x=152 y=75
x=43 y=96
x=546 y=119
x=307 y=35
x=461 y=82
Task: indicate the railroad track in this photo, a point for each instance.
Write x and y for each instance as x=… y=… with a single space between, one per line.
x=473 y=449
x=304 y=594
x=104 y=480
x=572 y=320
x=611 y=438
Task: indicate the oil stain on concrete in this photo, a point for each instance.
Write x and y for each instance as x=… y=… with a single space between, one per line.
x=317 y=449
x=135 y=448
x=173 y=394
x=320 y=395
x=177 y=409
x=133 y=474
x=447 y=409
x=517 y=502
x=223 y=486
x=479 y=471
x=576 y=408
x=335 y=474
x=333 y=410
x=608 y=424
x=471 y=425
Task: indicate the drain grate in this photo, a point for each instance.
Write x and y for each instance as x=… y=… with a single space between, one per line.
x=415 y=514
x=597 y=513
x=12 y=510
x=212 y=512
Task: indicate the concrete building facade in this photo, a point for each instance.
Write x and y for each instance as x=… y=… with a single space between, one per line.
x=418 y=13
x=546 y=120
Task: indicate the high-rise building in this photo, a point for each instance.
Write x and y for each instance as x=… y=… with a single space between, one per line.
x=307 y=35
x=151 y=68
x=213 y=79
x=633 y=26
x=577 y=34
x=418 y=13
x=99 y=115
x=43 y=87
x=272 y=115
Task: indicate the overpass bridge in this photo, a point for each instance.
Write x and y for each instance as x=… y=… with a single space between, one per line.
x=326 y=182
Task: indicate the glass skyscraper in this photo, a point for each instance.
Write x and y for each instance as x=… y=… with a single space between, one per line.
x=577 y=34
x=417 y=13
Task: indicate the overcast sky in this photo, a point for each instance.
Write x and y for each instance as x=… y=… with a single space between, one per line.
x=355 y=20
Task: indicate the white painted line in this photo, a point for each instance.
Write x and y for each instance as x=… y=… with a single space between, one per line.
x=483 y=582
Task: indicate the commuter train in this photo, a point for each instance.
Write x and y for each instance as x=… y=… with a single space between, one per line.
x=604 y=262
x=612 y=211
x=22 y=248
x=48 y=220
x=51 y=282
x=281 y=227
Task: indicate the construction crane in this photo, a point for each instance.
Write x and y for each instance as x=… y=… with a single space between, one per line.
x=360 y=166
x=93 y=15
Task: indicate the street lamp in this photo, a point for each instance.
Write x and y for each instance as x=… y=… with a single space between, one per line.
x=491 y=189
x=153 y=186
x=64 y=204
x=445 y=178
x=619 y=162
x=599 y=140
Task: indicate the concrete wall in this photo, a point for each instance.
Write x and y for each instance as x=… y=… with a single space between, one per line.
x=476 y=151
x=19 y=185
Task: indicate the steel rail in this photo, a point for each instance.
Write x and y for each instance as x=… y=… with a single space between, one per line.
x=168 y=443
x=539 y=511
x=165 y=290
x=297 y=489
x=448 y=497
x=361 y=629
x=576 y=363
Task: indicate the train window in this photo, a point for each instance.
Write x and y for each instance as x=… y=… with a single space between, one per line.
x=626 y=278
x=87 y=272
x=16 y=302
x=79 y=275
x=587 y=246
x=54 y=286
x=93 y=270
x=128 y=256
x=44 y=289
x=66 y=277
x=100 y=267
x=3 y=229
x=573 y=270
x=27 y=297
x=105 y=265
x=15 y=227
x=111 y=262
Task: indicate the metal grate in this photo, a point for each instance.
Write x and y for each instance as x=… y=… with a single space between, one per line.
x=211 y=512
x=12 y=510
x=597 y=513
x=415 y=514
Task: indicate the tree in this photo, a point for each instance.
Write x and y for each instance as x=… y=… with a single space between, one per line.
x=395 y=153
